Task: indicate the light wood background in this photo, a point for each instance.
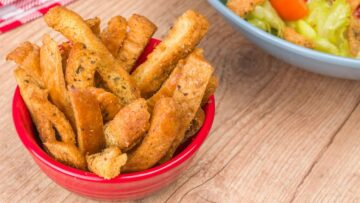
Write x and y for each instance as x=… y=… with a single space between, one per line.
x=280 y=134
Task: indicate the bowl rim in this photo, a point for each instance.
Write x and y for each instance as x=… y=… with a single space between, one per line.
x=29 y=141
x=281 y=43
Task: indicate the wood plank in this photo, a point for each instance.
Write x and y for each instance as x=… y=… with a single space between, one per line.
x=335 y=177
x=264 y=152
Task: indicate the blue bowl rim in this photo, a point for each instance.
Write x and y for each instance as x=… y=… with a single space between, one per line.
x=281 y=43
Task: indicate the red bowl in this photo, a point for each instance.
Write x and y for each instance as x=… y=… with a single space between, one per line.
x=128 y=186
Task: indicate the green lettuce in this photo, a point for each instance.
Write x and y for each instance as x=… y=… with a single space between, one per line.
x=266 y=18
x=326 y=26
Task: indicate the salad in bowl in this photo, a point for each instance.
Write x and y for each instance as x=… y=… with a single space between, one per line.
x=330 y=26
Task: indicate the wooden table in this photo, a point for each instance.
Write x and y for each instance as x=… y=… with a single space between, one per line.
x=280 y=134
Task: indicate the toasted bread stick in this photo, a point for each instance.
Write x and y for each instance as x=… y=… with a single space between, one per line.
x=28 y=85
x=195 y=125
x=114 y=35
x=66 y=153
x=55 y=116
x=81 y=67
x=94 y=25
x=88 y=119
x=185 y=35
x=169 y=86
x=129 y=125
x=164 y=127
x=65 y=47
x=36 y=98
x=189 y=93
x=141 y=31
x=27 y=56
x=76 y=30
x=53 y=76
x=210 y=89
x=109 y=103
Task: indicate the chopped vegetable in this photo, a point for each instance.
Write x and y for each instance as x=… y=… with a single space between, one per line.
x=265 y=17
x=290 y=10
x=322 y=23
x=326 y=26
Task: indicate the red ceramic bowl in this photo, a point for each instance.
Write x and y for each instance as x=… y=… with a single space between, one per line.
x=124 y=187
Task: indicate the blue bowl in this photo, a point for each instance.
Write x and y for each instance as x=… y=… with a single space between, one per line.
x=305 y=58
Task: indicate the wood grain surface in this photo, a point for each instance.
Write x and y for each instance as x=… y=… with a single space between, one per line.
x=280 y=134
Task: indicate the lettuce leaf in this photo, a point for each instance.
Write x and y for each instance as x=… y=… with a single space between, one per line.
x=326 y=25
x=266 y=18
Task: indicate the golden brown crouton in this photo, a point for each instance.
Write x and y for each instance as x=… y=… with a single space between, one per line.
x=72 y=26
x=36 y=99
x=66 y=153
x=196 y=124
x=141 y=31
x=292 y=36
x=94 y=24
x=189 y=93
x=353 y=33
x=181 y=40
x=27 y=56
x=28 y=85
x=81 y=67
x=109 y=103
x=114 y=35
x=210 y=89
x=165 y=125
x=53 y=76
x=168 y=87
x=129 y=125
x=107 y=163
x=88 y=119
x=243 y=7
